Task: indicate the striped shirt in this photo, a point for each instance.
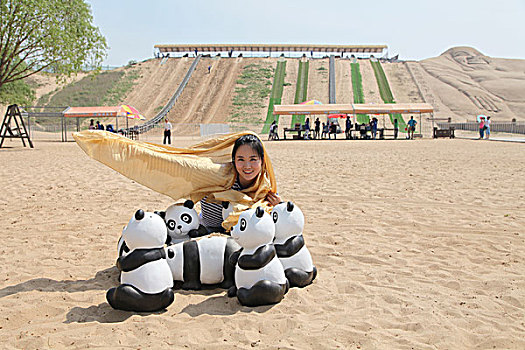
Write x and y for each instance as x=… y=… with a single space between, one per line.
x=212 y=212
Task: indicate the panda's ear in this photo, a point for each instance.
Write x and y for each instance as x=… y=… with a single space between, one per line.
x=225 y=204
x=289 y=206
x=162 y=214
x=259 y=212
x=189 y=204
x=139 y=214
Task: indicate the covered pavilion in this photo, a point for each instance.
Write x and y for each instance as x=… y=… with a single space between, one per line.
x=230 y=48
x=355 y=108
x=81 y=112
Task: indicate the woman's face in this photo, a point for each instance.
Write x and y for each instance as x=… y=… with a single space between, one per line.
x=248 y=164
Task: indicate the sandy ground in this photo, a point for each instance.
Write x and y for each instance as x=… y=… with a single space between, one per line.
x=419 y=245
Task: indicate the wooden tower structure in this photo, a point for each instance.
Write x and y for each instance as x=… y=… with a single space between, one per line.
x=18 y=131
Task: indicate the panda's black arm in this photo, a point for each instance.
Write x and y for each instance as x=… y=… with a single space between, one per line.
x=262 y=256
x=199 y=232
x=138 y=258
x=290 y=247
x=234 y=257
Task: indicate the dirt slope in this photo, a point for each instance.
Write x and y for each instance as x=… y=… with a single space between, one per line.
x=461 y=83
x=318 y=76
x=343 y=82
x=157 y=84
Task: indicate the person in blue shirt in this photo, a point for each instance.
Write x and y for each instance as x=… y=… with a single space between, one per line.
x=411 y=127
x=348 y=127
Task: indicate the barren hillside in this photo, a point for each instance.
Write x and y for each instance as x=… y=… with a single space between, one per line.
x=461 y=83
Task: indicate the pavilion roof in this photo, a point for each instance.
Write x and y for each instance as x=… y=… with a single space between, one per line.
x=271 y=47
x=368 y=108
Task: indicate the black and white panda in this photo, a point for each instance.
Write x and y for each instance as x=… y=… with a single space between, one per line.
x=289 y=244
x=145 y=274
x=259 y=275
x=182 y=222
x=227 y=209
x=203 y=260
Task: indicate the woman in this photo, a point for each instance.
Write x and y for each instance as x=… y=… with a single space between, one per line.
x=247 y=157
x=481 y=127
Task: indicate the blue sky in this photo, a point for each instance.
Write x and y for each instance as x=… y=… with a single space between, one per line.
x=412 y=29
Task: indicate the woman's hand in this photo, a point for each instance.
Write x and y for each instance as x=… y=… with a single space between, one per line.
x=273 y=198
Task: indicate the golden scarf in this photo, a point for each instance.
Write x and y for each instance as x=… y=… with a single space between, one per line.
x=204 y=169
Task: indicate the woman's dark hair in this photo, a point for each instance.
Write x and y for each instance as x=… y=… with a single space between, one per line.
x=251 y=140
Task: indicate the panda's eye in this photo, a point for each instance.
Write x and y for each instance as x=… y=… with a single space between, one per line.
x=243 y=224
x=275 y=216
x=186 y=218
x=171 y=224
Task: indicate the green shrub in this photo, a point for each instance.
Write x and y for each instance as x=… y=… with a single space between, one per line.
x=17 y=92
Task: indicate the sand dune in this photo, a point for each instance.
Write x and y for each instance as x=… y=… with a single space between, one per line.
x=418 y=245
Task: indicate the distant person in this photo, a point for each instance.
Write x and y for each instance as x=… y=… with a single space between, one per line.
x=101 y=126
x=411 y=127
x=348 y=127
x=325 y=131
x=332 y=130
x=97 y=126
x=317 y=128
x=396 y=128
x=273 y=131
x=167 y=132
x=307 y=129
x=92 y=124
x=109 y=128
x=373 y=127
x=209 y=69
x=487 y=128
x=481 y=127
x=362 y=131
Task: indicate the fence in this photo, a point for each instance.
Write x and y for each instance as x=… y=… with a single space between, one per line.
x=508 y=127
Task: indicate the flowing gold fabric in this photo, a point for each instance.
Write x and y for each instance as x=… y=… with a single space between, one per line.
x=204 y=169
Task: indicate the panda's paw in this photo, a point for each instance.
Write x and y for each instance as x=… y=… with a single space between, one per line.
x=191 y=286
x=177 y=285
x=232 y=292
x=234 y=257
x=199 y=232
x=226 y=284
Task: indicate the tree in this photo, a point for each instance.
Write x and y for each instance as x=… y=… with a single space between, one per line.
x=55 y=35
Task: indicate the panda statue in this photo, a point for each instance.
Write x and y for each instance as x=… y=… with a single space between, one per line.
x=289 y=244
x=145 y=274
x=227 y=209
x=183 y=222
x=259 y=275
x=204 y=260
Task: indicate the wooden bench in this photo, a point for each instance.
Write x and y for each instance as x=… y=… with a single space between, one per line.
x=299 y=129
x=443 y=133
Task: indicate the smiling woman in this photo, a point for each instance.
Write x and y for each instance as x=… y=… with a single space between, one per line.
x=248 y=157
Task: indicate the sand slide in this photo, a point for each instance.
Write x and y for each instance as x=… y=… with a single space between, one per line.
x=343 y=81
x=318 y=77
x=207 y=97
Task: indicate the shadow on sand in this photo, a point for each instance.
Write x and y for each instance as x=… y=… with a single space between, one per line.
x=103 y=280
